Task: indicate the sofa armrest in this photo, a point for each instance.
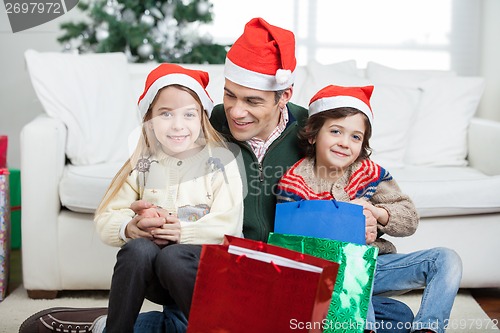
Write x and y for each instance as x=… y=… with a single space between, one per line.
x=484 y=136
x=43 y=157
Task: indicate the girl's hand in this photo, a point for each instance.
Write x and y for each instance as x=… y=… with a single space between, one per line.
x=170 y=231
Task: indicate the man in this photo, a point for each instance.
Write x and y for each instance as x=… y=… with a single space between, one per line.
x=257 y=116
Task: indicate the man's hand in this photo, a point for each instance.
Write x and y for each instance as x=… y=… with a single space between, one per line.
x=151 y=222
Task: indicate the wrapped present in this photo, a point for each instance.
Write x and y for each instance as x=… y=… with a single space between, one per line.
x=4 y=232
x=248 y=286
x=354 y=284
x=15 y=208
x=3 y=151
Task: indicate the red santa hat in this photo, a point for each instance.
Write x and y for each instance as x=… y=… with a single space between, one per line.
x=331 y=97
x=262 y=58
x=168 y=74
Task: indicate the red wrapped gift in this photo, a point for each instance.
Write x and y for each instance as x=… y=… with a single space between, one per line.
x=248 y=286
x=3 y=151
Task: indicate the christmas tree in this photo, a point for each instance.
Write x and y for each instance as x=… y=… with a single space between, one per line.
x=150 y=30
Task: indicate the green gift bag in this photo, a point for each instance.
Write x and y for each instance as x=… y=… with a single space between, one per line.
x=353 y=288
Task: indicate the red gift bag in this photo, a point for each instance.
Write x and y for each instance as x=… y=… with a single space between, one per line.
x=3 y=151
x=248 y=286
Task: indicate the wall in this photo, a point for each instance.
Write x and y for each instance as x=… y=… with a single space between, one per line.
x=18 y=104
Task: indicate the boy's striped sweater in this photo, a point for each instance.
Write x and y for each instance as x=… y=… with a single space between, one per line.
x=362 y=183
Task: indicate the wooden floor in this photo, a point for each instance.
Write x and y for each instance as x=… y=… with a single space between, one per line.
x=489 y=299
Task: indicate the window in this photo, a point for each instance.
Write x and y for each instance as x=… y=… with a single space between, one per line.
x=410 y=34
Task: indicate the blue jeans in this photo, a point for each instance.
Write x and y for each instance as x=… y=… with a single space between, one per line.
x=388 y=313
x=439 y=270
x=171 y=320
x=391 y=315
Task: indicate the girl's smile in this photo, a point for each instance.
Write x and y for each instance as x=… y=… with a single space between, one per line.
x=177 y=138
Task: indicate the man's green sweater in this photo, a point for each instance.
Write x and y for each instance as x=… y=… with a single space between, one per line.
x=262 y=178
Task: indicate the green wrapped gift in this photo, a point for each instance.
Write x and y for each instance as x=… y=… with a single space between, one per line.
x=15 y=207
x=353 y=287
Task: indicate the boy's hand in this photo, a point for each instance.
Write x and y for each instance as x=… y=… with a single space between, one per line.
x=380 y=214
x=370 y=220
x=371 y=227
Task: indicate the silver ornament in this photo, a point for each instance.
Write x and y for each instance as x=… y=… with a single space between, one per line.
x=101 y=34
x=128 y=16
x=202 y=8
x=147 y=19
x=109 y=9
x=145 y=49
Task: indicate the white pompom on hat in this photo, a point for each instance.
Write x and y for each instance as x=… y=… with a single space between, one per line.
x=332 y=97
x=262 y=58
x=168 y=74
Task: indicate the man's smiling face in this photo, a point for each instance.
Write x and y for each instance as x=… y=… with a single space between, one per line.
x=250 y=113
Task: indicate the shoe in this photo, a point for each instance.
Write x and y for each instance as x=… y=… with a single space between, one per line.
x=74 y=320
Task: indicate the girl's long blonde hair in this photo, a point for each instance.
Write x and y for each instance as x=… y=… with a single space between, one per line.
x=147 y=146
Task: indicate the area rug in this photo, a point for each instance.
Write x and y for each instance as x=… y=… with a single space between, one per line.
x=466 y=316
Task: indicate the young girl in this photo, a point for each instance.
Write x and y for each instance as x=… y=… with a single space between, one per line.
x=180 y=188
x=337 y=166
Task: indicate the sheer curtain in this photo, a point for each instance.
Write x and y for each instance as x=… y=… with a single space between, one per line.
x=410 y=34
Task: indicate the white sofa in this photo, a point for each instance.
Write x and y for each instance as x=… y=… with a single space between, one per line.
x=424 y=134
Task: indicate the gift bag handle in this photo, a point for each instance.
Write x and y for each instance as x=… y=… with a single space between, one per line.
x=333 y=201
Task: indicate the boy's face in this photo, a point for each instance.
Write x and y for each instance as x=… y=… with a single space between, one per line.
x=250 y=112
x=338 y=145
x=176 y=121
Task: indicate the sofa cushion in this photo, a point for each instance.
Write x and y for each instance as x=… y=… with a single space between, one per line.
x=91 y=94
x=82 y=187
x=438 y=136
x=438 y=132
x=410 y=78
x=448 y=191
x=394 y=108
x=318 y=76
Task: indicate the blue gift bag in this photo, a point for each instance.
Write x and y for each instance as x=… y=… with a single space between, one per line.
x=330 y=219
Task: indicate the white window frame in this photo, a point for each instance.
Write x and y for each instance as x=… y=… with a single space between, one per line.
x=461 y=53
